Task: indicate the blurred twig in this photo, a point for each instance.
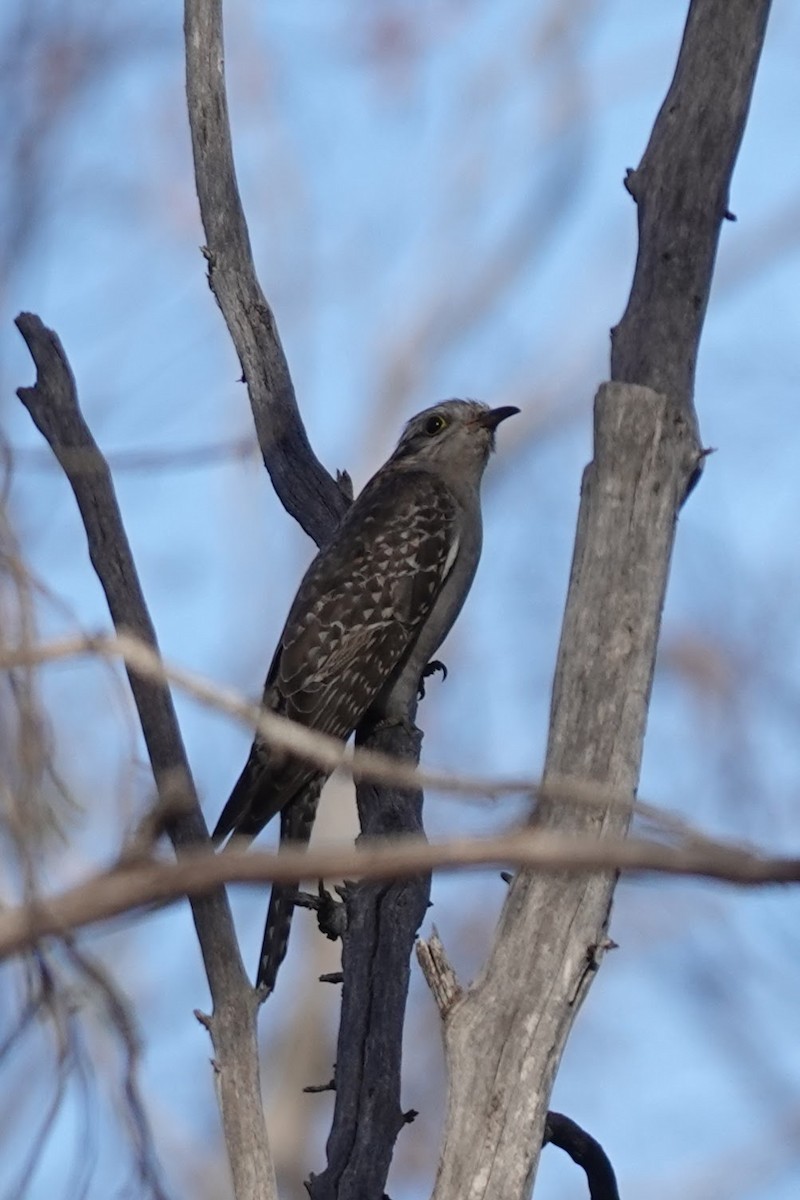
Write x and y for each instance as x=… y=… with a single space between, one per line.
x=118 y=1014
x=324 y=751
x=132 y=884
x=180 y=458
x=319 y=748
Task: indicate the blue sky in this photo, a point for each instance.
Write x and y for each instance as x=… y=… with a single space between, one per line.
x=443 y=218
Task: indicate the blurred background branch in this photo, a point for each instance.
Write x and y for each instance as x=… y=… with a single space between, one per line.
x=140 y=881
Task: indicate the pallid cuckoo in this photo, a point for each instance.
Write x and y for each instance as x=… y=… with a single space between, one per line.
x=372 y=609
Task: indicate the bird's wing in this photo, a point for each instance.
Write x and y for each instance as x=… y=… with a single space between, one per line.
x=364 y=600
x=357 y=614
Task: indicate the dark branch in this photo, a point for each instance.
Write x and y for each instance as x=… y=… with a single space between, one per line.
x=331 y=913
x=371 y=1084
x=586 y=1152
x=382 y=923
x=54 y=409
x=681 y=189
x=304 y=487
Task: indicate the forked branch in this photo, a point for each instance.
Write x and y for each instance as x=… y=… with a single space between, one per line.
x=367 y=1112
x=54 y=409
x=505 y=1036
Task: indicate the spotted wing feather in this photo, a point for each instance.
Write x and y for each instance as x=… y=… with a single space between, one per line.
x=355 y=618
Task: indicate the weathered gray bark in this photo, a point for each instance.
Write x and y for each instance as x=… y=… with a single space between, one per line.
x=504 y=1037
x=53 y=406
x=304 y=487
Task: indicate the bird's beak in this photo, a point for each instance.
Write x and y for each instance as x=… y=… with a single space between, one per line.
x=491 y=419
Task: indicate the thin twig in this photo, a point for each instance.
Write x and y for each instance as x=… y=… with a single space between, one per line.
x=132 y=885
x=318 y=748
x=179 y=458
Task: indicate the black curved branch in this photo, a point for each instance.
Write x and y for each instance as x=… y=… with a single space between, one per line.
x=584 y=1150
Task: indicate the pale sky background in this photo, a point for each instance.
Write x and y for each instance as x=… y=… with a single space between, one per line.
x=387 y=162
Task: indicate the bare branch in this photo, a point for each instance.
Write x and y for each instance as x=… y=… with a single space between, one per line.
x=586 y=1152
x=132 y=884
x=646 y=457
x=318 y=748
x=317 y=502
x=439 y=972
x=369 y=766
x=53 y=406
x=681 y=189
x=179 y=458
x=382 y=924
x=304 y=487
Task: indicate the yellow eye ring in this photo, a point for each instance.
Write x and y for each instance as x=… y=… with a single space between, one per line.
x=434 y=425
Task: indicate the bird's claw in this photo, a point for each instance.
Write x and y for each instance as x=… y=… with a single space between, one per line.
x=331 y=914
x=433 y=666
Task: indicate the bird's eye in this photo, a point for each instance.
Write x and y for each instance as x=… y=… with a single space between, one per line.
x=434 y=425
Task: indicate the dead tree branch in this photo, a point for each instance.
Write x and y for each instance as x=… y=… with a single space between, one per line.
x=504 y=1037
x=382 y=923
x=368 y=766
x=304 y=487
x=584 y=1150
x=358 y=1150
x=53 y=406
x=138 y=882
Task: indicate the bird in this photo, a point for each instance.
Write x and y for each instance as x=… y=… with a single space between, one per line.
x=370 y=612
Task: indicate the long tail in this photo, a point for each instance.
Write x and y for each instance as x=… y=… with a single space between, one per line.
x=237 y=816
x=297 y=821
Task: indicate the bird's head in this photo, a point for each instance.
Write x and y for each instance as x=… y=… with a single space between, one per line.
x=455 y=435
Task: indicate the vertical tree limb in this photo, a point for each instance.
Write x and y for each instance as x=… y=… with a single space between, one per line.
x=383 y=921
x=53 y=406
x=681 y=188
x=505 y=1036
x=304 y=487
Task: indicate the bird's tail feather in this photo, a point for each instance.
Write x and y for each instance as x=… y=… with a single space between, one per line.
x=256 y=797
x=297 y=820
x=276 y=935
x=260 y=793
x=230 y=818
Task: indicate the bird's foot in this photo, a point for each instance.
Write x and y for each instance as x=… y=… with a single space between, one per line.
x=331 y=913
x=433 y=666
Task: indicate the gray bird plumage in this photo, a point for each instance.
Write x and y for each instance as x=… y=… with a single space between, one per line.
x=370 y=612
